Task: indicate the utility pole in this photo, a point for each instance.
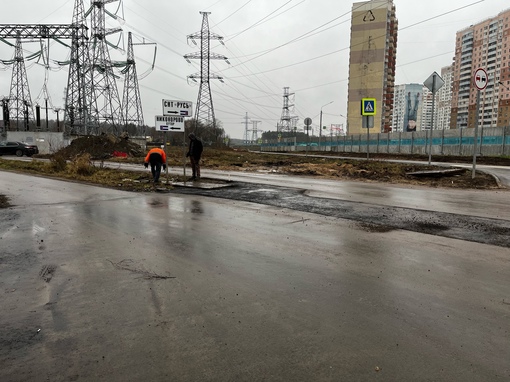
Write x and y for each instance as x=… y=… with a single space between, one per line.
x=105 y=91
x=320 y=125
x=246 y=131
x=79 y=100
x=204 y=111
x=91 y=95
x=254 y=132
x=285 y=120
x=132 y=102
x=20 y=102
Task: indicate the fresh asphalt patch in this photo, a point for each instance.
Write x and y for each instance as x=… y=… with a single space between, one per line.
x=372 y=217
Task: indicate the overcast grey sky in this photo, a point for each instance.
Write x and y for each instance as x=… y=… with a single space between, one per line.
x=271 y=44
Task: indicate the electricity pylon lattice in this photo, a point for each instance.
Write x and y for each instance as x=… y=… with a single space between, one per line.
x=255 y=132
x=92 y=102
x=79 y=100
x=286 y=121
x=246 y=130
x=132 y=102
x=20 y=102
x=204 y=111
x=105 y=92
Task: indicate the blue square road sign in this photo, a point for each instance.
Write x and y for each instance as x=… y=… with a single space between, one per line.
x=368 y=106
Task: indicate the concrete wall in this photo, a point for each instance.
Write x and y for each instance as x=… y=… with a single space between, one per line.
x=47 y=142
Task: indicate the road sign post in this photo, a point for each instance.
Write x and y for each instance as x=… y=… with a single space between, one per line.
x=368 y=110
x=166 y=153
x=433 y=83
x=480 y=79
x=172 y=120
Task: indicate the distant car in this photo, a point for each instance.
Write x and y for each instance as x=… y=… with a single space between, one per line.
x=18 y=149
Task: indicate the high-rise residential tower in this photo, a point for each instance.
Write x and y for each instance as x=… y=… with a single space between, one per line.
x=484 y=45
x=444 y=100
x=373 y=47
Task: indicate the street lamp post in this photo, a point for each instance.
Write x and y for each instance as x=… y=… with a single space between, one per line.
x=320 y=125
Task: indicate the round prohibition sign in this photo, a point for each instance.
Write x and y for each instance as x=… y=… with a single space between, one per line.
x=480 y=79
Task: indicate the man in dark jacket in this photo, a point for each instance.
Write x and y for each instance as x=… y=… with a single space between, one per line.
x=194 y=153
x=157 y=159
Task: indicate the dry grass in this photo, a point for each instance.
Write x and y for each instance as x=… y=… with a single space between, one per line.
x=334 y=168
x=81 y=168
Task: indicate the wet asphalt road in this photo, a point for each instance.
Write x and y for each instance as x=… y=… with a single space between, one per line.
x=373 y=217
x=186 y=287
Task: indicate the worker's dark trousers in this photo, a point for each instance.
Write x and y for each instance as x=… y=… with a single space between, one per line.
x=195 y=166
x=156 y=171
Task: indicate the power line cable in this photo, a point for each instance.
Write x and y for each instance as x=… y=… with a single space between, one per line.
x=233 y=13
x=264 y=19
x=291 y=41
x=350 y=47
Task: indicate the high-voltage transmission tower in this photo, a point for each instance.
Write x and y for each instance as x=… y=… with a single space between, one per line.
x=92 y=99
x=287 y=122
x=204 y=111
x=131 y=101
x=246 y=137
x=255 y=132
x=20 y=102
x=105 y=92
x=79 y=101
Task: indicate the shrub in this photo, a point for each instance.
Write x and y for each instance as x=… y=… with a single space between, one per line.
x=82 y=165
x=58 y=163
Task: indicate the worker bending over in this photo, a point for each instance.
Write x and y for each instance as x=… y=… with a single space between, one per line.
x=157 y=159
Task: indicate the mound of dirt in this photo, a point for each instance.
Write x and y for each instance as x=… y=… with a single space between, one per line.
x=101 y=147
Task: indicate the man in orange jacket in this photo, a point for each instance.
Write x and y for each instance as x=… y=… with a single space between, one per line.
x=157 y=158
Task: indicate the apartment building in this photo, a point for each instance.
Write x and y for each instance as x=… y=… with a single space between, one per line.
x=484 y=45
x=444 y=100
x=372 y=63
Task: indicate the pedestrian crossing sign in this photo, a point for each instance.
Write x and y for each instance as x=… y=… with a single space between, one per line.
x=368 y=106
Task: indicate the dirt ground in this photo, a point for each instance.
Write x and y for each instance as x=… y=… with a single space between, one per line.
x=106 y=147
x=102 y=147
x=369 y=171
x=358 y=169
